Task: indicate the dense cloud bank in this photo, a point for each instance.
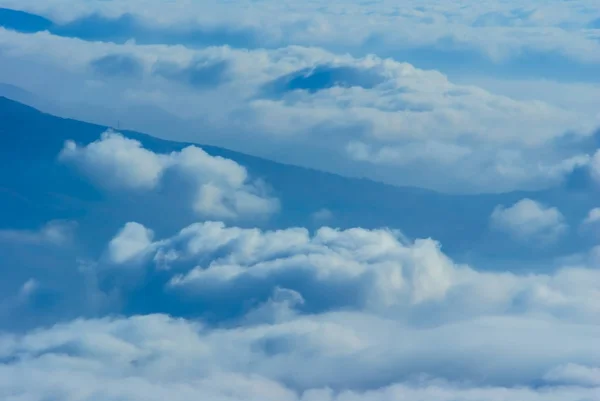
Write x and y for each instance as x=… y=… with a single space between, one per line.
x=329 y=357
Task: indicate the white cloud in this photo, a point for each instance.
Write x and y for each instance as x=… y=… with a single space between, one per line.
x=575 y=374
x=56 y=232
x=222 y=188
x=116 y=161
x=386 y=120
x=334 y=315
x=593 y=216
x=153 y=357
x=371 y=270
x=497 y=31
x=130 y=243
x=528 y=220
x=595 y=166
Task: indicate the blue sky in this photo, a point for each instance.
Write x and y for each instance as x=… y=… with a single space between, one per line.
x=374 y=200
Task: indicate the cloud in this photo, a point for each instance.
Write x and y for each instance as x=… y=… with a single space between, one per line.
x=528 y=220
x=322 y=215
x=553 y=39
x=152 y=357
x=117 y=162
x=575 y=374
x=221 y=188
x=371 y=116
x=129 y=243
x=593 y=216
x=56 y=233
x=595 y=167
x=29 y=287
x=589 y=228
x=220 y=272
x=129 y=26
x=299 y=315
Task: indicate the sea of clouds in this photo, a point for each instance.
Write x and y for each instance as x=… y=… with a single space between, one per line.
x=221 y=312
x=476 y=97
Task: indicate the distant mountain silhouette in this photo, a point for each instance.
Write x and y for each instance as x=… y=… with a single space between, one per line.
x=23 y=21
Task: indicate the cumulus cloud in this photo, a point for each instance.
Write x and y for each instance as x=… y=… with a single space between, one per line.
x=129 y=243
x=528 y=220
x=341 y=298
x=221 y=187
x=116 y=161
x=219 y=268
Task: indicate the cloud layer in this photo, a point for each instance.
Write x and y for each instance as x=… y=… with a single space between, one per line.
x=152 y=357
x=505 y=36
x=179 y=274
x=363 y=115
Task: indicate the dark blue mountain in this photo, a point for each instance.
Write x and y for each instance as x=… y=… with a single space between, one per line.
x=23 y=21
